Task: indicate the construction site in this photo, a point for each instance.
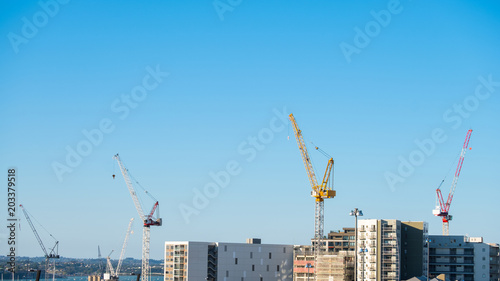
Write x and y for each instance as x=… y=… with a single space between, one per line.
x=232 y=140
x=374 y=250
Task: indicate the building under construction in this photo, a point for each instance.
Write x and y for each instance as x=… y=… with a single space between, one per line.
x=339 y=266
x=329 y=266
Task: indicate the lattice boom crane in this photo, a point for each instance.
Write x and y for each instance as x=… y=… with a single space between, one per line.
x=53 y=254
x=319 y=191
x=443 y=209
x=149 y=219
x=124 y=247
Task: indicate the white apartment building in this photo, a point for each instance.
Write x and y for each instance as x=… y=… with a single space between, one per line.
x=379 y=244
x=391 y=250
x=195 y=261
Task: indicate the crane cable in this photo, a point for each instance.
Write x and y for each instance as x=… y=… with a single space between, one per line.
x=446 y=175
x=145 y=191
x=32 y=217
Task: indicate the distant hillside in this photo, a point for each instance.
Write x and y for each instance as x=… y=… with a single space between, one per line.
x=76 y=267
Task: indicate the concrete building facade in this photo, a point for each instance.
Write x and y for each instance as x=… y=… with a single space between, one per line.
x=461 y=258
x=191 y=261
x=390 y=250
x=494 y=262
x=414 y=250
x=341 y=240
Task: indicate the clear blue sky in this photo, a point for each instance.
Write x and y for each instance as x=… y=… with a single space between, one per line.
x=65 y=68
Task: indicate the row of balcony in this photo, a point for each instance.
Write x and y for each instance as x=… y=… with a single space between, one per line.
x=371 y=228
x=465 y=262
x=468 y=271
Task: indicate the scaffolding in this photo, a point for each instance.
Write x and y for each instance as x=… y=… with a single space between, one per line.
x=335 y=267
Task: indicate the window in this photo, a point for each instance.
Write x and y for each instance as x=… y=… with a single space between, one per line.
x=278 y=267
x=284 y=252
x=484 y=250
x=484 y=258
x=253 y=267
x=269 y=255
x=251 y=255
x=261 y=279
x=235 y=260
x=225 y=248
x=227 y=273
x=242 y=279
x=267 y=267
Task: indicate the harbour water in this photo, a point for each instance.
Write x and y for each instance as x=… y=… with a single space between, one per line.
x=85 y=278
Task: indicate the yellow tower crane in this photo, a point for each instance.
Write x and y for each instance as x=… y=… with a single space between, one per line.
x=319 y=191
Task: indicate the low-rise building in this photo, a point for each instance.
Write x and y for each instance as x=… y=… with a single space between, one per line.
x=303 y=263
x=194 y=261
x=344 y=240
x=460 y=258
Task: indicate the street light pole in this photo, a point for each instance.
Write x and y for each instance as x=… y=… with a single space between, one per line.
x=356 y=213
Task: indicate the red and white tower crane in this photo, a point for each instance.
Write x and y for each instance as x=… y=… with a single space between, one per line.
x=443 y=209
x=149 y=219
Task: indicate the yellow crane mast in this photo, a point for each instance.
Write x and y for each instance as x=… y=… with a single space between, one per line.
x=319 y=191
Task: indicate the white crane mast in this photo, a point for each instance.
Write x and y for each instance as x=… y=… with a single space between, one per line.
x=148 y=220
x=122 y=254
x=109 y=268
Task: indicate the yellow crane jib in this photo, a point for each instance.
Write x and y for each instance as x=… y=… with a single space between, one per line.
x=325 y=191
x=319 y=191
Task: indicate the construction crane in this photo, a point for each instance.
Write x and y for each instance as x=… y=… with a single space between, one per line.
x=442 y=210
x=319 y=191
x=53 y=253
x=149 y=219
x=110 y=271
x=122 y=254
